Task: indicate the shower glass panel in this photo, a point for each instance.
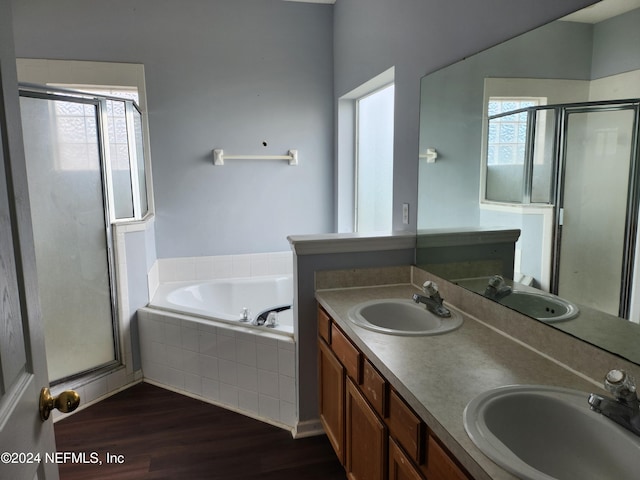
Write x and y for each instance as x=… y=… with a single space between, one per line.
x=118 y=153
x=139 y=154
x=65 y=176
x=597 y=175
x=543 y=157
x=506 y=148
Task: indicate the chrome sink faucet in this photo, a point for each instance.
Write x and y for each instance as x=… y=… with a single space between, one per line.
x=432 y=299
x=497 y=288
x=625 y=408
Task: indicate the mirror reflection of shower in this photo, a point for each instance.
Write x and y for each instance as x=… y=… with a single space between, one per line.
x=82 y=155
x=582 y=159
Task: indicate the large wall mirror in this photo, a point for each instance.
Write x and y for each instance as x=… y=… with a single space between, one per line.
x=542 y=134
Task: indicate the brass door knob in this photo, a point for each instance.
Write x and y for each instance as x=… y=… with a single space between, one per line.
x=66 y=402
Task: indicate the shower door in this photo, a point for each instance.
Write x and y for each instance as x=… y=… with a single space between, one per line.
x=598 y=207
x=71 y=232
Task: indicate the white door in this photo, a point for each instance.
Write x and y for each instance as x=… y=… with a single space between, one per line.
x=24 y=437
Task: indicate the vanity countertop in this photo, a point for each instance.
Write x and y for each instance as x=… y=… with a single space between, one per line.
x=438 y=375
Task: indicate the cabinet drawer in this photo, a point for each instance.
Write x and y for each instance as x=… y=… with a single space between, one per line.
x=324 y=325
x=406 y=427
x=346 y=352
x=374 y=387
x=440 y=464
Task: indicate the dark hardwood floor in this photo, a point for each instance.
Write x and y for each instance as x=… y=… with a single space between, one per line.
x=163 y=435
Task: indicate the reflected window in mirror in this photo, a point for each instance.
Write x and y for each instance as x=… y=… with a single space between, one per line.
x=506 y=147
x=518 y=159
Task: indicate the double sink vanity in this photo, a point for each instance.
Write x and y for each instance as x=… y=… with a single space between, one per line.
x=479 y=392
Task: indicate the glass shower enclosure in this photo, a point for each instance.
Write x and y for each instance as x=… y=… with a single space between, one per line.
x=78 y=153
x=597 y=206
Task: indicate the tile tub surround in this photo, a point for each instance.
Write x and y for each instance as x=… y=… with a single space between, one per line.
x=455 y=367
x=185 y=269
x=239 y=370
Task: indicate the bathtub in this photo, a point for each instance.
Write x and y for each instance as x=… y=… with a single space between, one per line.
x=193 y=342
x=226 y=300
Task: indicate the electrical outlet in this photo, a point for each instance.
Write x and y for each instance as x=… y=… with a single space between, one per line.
x=405 y=213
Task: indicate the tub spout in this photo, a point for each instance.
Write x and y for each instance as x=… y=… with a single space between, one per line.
x=264 y=317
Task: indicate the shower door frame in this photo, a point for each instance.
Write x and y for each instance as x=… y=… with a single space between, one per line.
x=633 y=194
x=99 y=101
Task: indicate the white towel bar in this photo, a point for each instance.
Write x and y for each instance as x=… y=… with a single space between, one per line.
x=219 y=157
x=431 y=155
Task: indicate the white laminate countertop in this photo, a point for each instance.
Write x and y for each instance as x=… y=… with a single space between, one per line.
x=438 y=375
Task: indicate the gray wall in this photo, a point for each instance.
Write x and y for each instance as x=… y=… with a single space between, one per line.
x=224 y=74
x=418 y=37
x=233 y=73
x=616 y=45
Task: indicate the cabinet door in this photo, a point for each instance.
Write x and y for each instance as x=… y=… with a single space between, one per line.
x=331 y=397
x=366 y=438
x=440 y=464
x=400 y=467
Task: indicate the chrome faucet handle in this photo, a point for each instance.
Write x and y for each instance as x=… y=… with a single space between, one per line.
x=245 y=315
x=272 y=320
x=430 y=288
x=621 y=385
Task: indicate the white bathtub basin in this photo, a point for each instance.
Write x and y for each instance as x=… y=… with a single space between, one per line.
x=401 y=317
x=546 y=433
x=226 y=299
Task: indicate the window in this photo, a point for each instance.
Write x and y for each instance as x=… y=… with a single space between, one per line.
x=374 y=161
x=507 y=137
x=125 y=131
x=518 y=163
x=121 y=129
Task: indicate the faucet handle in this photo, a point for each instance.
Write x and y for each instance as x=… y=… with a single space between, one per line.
x=430 y=288
x=620 y=384
x=272 y=320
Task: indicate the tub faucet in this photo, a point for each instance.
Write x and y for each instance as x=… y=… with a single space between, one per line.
x=432 y=299
x=625 y=408
x=497 y=288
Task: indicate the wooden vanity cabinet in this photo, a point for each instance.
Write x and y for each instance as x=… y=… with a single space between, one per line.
x=440 y=465
x=331 y=376
x=366 y=438
x=374 y=432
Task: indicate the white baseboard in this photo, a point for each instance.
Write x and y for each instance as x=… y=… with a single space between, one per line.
x=308 y=428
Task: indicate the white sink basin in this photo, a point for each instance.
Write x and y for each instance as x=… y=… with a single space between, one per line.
x=401 y=317
x=544 y=433
x=542 y=306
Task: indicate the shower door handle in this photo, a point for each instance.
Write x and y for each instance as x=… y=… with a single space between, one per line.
x=66 y=402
